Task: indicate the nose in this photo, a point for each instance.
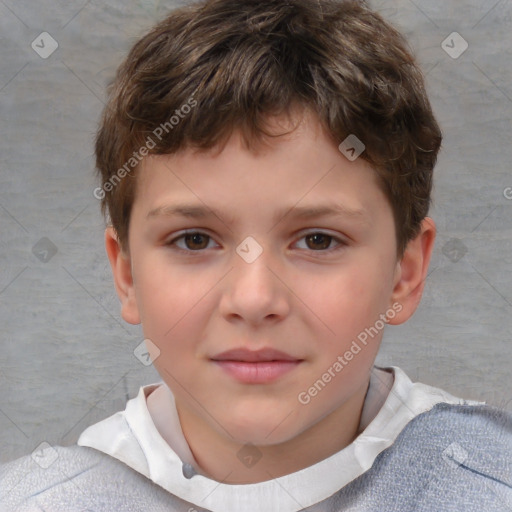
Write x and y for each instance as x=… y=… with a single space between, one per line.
x=255 y=291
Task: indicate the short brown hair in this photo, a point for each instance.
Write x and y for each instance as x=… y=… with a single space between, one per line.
x=233 y=63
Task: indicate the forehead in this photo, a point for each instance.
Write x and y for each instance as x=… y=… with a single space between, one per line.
x=300 y=166
x=299 y=176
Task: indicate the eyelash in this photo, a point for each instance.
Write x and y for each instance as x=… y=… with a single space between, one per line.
x=172 y=242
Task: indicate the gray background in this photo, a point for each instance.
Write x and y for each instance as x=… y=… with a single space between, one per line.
x=66 y=356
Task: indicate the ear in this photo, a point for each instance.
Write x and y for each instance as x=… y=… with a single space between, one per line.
x=123 y=279
x=411 y=272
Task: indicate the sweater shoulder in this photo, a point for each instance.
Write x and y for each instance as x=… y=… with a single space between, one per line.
x=63 y=478
x=476 y=437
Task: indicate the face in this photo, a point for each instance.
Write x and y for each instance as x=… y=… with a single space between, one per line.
x=298 y=257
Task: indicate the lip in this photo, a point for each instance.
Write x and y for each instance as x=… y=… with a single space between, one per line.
x=254 y=356
x=256 y=367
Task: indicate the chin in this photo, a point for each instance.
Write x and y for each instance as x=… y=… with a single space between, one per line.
x=261 y=429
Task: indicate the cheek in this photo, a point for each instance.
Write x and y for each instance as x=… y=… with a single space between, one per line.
x=167 y=298
x=168 y=291
x=177 y=303
x=348 y=301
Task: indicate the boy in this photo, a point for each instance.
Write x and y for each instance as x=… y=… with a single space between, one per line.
x=267 y=169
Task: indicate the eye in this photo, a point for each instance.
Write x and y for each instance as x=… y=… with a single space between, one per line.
x=195 y=241
x=319 y=241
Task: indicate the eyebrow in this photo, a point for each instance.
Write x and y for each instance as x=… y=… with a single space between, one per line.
x=194 y=211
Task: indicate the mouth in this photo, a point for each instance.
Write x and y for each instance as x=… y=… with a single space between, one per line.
x=256 y=367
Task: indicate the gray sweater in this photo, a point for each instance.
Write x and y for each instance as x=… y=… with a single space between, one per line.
x=451 y=458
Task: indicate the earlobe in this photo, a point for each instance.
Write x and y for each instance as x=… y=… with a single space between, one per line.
x=412 y=271
x=123 y=278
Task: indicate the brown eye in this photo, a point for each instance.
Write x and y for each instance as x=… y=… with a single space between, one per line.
x=193 y=241
x=318 y=241
x=196 y=241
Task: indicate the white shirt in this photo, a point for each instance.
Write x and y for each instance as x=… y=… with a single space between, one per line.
x=131 y=436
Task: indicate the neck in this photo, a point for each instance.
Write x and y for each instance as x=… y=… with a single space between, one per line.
x=228 y=461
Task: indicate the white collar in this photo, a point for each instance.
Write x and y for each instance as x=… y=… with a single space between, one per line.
x=132 y=437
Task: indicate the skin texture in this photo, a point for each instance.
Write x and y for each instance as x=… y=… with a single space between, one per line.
x=309 y=297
